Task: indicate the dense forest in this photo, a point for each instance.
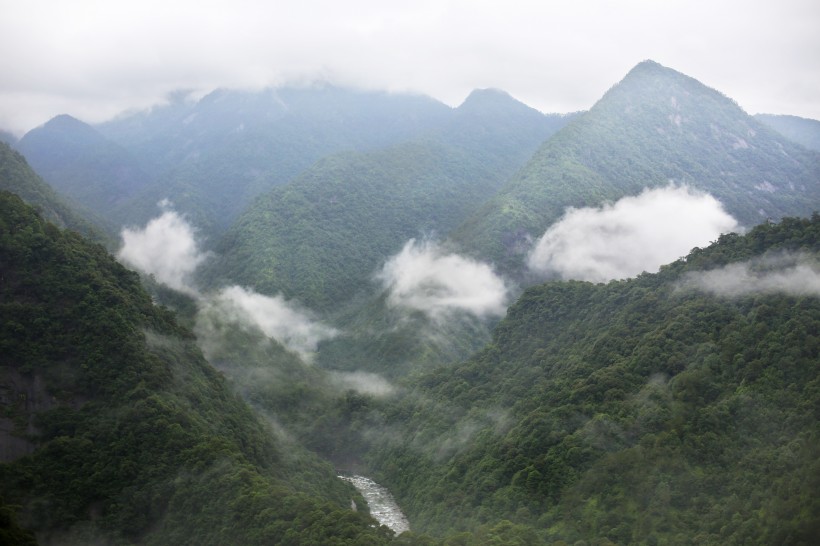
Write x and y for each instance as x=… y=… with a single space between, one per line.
x=129 y=435
x=665 y=408
x=353 y=293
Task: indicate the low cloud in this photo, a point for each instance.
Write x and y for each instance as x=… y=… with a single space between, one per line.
x=362 y=382
x=792 y=274
x=277 y=318
x=633 y=235
x=165 y=248
x=424 y=278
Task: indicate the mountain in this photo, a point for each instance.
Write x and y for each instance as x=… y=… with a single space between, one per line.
x=655 y=126
x=321 y=237
x=212 y=156
x=801 y=130
x=16 y=176
x=114 y=428
x=676 y=404
x=82 y=164
x=8 y=138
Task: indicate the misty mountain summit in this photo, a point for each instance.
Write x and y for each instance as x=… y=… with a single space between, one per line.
x=655 y=127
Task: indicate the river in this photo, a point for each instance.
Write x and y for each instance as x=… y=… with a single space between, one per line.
x=382 y=505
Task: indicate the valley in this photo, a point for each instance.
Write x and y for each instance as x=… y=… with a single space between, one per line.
x=521 y=328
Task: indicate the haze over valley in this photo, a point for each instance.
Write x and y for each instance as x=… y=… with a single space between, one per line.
x=341 y=310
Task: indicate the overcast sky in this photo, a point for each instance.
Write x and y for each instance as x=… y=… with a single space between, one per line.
x=95 y=58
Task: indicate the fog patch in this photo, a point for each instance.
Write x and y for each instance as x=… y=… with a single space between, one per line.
x=633 y=235
x=165 y=248
x=424 y=278
x=281 y=320
x=362 y=382
x=792 y=274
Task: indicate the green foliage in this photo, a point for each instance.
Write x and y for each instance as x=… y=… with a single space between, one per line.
x=10 y=531
x=17 y=177
x=82 y=164
x=637 y=411
x=655 y=126
x=136 y=438
x=212 y=157
x=321 y=237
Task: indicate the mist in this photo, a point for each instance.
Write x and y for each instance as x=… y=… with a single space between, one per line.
x=165 y=248
x=362 y=382
x=279 y=319
x=423 y=277
x=791 y=274
x=633 y=235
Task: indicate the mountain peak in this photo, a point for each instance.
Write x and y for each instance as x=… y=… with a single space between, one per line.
x=482 y=98
x=649 y=65
x=64 y=127
x=494 y=102
x=64 y=121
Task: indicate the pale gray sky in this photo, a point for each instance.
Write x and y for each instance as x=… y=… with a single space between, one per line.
x=95 y=58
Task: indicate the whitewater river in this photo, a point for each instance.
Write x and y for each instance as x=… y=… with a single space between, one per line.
x=382 y=505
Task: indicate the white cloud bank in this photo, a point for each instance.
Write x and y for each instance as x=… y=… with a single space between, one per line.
x=795 y=275
x=633 y=235
x=363 y=382
x=94 y=59
x=423 y=277
x=277 y=318
x=165 y=248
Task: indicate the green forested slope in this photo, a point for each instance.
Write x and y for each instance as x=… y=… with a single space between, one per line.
x=16 y=176
x=125 y=434
x=321 y=237
x=211 y=157
x=655 y=126
x=639 y=412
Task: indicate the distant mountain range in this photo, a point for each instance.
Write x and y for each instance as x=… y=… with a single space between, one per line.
x=801 y=130
x=321 y=237
x=212 y=156
x=355 y=292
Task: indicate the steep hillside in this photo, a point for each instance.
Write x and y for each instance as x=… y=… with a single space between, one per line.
x=321 y=237
x=82 y=164
x=115 y=430
x=211 y=157
x=17 y=177
x=655 y=126
x=8 y=138
x=801 y=130
x=677 y=404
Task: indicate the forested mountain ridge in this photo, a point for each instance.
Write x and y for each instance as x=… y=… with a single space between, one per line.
x=322 y=236
x=677 y=404
x=16 y=176
x=212 y=156
x=655 y=127
x=84 y=165
x=124 y=433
